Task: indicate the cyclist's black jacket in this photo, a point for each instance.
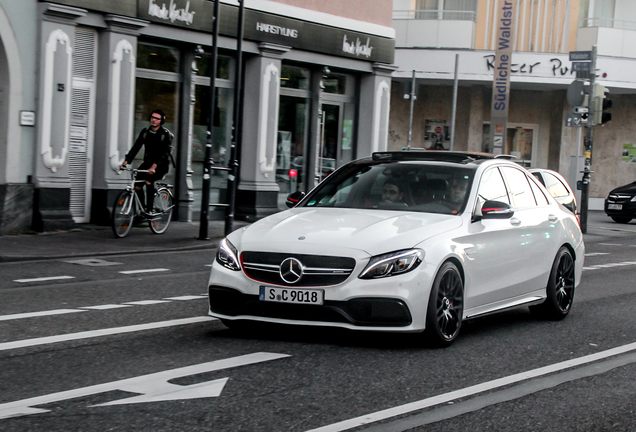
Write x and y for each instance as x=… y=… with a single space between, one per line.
x=157 y=148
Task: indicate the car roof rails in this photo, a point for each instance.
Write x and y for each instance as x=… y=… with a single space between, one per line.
x=436 y=155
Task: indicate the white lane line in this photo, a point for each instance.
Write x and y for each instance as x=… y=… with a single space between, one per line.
x=472 y=390
x=106 y=306
x=144 y=271
x=187 y=297
x=38 y=314
x=101 y=332
x=43 y=279
x=610 y=244
x=610 y=265
x=147 y=302
x=596 y=254
x=99 y=307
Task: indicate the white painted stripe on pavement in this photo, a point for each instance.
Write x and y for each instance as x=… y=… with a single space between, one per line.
x=44 y=279
x=596 y=254
x=144 y=271
x=146 y=302
x=106 y=306
x=101 y=332
x=38 y=314
x=472 y=390
x=187 y=297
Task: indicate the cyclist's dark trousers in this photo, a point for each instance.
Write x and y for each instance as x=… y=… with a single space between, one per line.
x=150 y=188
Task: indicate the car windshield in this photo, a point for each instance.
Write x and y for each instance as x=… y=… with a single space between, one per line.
x=409 y=185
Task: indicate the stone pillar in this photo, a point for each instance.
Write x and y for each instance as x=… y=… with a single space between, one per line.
x=257 y=191
x=476 y=117
x=114 y=112
x=373 y=118
x=51 y=206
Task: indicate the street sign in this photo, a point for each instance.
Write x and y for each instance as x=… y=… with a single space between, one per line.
x=574 y=120
x=581 y=66
x=580 y=55
x=576 y=93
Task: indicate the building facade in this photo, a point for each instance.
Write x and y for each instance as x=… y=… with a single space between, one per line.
x=79 y=78
x=443 y=44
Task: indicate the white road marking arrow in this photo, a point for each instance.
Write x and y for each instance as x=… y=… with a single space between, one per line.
x=152 y=388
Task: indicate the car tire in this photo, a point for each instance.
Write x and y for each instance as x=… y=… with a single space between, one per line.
x=445 y=307
x=560 y=289
x=621 y=220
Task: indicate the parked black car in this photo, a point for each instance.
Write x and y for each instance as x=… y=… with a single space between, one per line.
x=557 y=186
x=620 y=204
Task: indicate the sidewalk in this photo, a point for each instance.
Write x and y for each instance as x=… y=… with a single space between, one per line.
x=93 y=240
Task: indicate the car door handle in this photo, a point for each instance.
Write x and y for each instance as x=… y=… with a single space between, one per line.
x=553 y=218
x=514 y=221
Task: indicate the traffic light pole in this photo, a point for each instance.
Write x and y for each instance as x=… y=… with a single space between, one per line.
x=588 y=142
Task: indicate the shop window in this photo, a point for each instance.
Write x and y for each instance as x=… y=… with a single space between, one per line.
x=295 y=78
x=292 y=144
x=335 y=84
x=222 y=66
x=221 y=138
x=520 y=142
x=157 y=58
x=153 y=94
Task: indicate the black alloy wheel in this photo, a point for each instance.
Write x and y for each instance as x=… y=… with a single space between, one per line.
x=560 y=289
x=445 y=306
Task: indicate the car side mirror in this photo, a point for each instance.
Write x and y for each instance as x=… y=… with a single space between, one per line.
x=496 y=210
x=294 y=198
x=492 y=209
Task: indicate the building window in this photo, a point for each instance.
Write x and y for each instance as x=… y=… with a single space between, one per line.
x=294 y=78
x=335 y=84
x=157 y=87
x=221 y=128
x=157 y=58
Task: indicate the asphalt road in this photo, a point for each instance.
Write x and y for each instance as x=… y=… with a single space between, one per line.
x=95 y=335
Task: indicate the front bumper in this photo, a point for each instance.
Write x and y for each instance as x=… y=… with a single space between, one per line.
x=359 y=312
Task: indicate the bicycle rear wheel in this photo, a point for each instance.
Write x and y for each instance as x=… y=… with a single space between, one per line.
x=123 y=213
x=163 y=210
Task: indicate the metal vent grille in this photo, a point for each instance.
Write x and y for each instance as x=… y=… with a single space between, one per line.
x=84 y=53
x=317 y=270
x=78 y=153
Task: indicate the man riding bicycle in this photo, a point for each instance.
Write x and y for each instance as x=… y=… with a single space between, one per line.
x=157 y=141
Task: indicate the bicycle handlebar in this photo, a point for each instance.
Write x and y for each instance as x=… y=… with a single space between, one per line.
x=135 y=171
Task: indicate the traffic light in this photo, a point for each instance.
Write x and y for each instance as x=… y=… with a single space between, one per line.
x=602 y=104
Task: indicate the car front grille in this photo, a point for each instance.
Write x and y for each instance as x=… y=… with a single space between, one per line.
x=317 y=270
x=619 y=198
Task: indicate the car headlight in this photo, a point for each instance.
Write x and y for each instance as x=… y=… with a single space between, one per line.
x=227 y=255
x=633 y=199
x=392 y=264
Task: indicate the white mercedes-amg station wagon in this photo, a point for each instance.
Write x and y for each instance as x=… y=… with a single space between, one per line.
x=413 y=241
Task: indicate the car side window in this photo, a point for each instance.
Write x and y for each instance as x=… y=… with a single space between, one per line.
x=555 y=186
x=492 y=187
x=520 y=190
x=538 y=194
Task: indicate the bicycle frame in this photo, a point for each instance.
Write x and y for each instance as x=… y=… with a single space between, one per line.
x=131 y=187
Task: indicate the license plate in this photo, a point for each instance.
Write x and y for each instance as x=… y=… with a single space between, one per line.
x=615 y=206
x=292 y=295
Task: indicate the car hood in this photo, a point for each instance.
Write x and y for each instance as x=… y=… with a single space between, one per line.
x=629 y=188
x=334 y=231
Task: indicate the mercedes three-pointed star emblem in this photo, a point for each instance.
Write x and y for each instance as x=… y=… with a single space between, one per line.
x=291 y=270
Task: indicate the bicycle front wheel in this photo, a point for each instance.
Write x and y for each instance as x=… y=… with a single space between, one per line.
x=163 y=211
x=123 y=213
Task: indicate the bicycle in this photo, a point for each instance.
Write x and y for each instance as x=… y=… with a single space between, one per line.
x=128 y=206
